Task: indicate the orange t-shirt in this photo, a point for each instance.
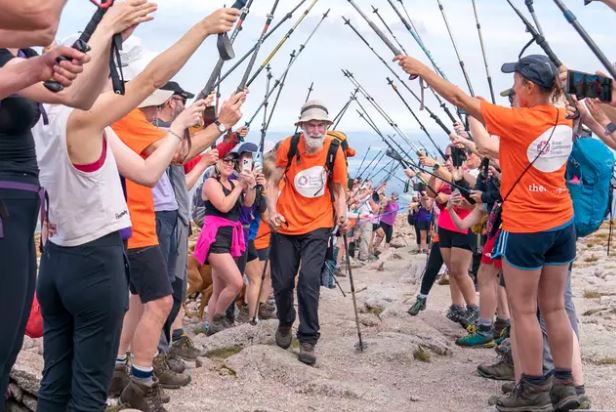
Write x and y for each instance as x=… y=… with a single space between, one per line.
x=137 y=133
x=262 y=240
x=305 y=201
x=540 y=201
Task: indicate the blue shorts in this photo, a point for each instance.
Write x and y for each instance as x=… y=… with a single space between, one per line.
x=532 y=251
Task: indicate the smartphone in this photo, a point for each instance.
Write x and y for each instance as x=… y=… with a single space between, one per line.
x=584 y=85
x=458 y=156
x=246 y=165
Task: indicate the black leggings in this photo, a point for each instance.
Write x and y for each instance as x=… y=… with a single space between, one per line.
x=433 y=266
x=18 y=275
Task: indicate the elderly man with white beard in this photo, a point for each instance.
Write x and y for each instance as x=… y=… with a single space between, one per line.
x=302 y=215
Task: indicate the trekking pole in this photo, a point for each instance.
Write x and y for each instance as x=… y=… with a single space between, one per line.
x=360 y=344
x=264 y=124
x=483 y=51
x=379 y=156
x=376 y=30
x=211 y=82
x=437 y=120
x=379 y=109
x=364 y=158
x=253 y=59
x=411 y=28
x=288 y=16
x=310 y=89
x=282 y=41
x=372 y=176
x=531 y=9
x=421 y=126
x=344 y=109
x=376 y=11
x=279 y=84
x=254 y=318
x=586 y=37
x=455 y=48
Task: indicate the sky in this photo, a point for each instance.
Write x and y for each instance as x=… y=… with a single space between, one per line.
x=335 y=46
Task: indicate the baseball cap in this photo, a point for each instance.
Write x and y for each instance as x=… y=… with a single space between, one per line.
x=177 y=89
x=247 y=147
x=535 y=67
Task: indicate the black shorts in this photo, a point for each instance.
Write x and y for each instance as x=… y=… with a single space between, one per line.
x=252 y=251
x=375 y=226
x=423 y=225
x=449 y=239
x=263 y=254
x=389 y=231
x=148 y=274
x=222 y=243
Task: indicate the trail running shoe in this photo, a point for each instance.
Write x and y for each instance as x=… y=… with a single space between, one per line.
x=418 y=306
x=476 y=340
x=455 y=313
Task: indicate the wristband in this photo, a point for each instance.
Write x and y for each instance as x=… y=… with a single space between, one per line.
x=180 y=138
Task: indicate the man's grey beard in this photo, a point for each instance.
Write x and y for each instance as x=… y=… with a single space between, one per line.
x=314 y=143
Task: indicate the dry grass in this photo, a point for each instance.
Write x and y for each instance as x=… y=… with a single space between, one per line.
x=224 y=352
x=592 y=258
x=591 y=294
x=422 y=355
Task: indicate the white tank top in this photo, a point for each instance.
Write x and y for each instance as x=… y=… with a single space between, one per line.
x=82 y=206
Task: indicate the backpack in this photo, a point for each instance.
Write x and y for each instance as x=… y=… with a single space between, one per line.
x=589 y=172
x=197 y=211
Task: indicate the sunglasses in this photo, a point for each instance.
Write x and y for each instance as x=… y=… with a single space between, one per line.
x=229 y=161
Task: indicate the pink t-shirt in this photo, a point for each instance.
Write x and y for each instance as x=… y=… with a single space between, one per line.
x=444 y=219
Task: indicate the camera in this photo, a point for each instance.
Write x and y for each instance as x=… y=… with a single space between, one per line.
x=458 y=156
x=584 y=85
x=419 y=187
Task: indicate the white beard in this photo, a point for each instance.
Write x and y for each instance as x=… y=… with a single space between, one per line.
x=314 y=143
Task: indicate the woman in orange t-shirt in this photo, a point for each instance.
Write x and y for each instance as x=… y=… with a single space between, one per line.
x=538 y=231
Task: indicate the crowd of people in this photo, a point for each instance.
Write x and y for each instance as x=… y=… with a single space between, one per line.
x=110 y=176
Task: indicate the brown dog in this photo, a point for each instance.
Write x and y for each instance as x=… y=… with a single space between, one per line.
x=199 y=279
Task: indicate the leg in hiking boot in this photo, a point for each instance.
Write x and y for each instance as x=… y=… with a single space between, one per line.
x=313 y=250
x=418 y=306
x=168 y=378
x=183 y=347
x=365 y=238
x=226 y=284
x=488 y=284
x=142 y=396
x=284 y=260
x=82 y=322
x=254 y=272
x=532 y=394
x=433 y=266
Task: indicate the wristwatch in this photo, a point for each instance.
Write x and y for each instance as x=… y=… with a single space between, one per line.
x=436 y=167
x=221 y=127
x=610 y=128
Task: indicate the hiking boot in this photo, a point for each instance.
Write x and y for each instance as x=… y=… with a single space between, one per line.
x=455 y=313
x=184 y=348
x=119 y=381
x=141 y=396
x=306 y=353
x=476 y=340
x=283 y=336
x=563 y=395
x=501 y=327
x=202 y=329
x=167 y=378
x=219 y=322
x=500 y=371
x=527 y=397
x=418 y=306
x=507 y=387
x=176 y=364
x=585 y=402
x=267 y=311
x=470 y=318
x=242 y=316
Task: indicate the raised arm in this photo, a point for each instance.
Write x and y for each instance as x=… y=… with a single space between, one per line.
x=486 y=144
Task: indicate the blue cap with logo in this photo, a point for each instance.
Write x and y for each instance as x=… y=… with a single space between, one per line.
x=536 y=68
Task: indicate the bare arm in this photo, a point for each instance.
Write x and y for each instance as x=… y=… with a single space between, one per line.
x=212 y=191
x=147 y=171
x=31 y=15
x=449 y=91
x=275 y=219
x=469 y=221
x=340 y=201
x=21 y=39
x=206 y=161
x=486 y=144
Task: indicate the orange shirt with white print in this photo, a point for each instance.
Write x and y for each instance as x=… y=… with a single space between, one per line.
x=138 y=133
x=305 y=200
x=540 y=201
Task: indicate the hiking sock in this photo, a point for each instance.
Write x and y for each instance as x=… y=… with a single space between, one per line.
x=535 y=380
x=563 y=374
x=421 y=295
x=484 y=327
x=580 y=390
x=177 y=334
x=143 y=374
x=457 y=308
x=121 y=360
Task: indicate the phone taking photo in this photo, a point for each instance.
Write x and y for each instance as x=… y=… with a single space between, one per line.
x=247 y=165
x=586 y=85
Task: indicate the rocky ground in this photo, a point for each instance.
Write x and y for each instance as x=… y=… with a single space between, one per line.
x=410 y=363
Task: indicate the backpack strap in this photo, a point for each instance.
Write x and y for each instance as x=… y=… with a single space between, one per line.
x=293 y=151
x=329 y=165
